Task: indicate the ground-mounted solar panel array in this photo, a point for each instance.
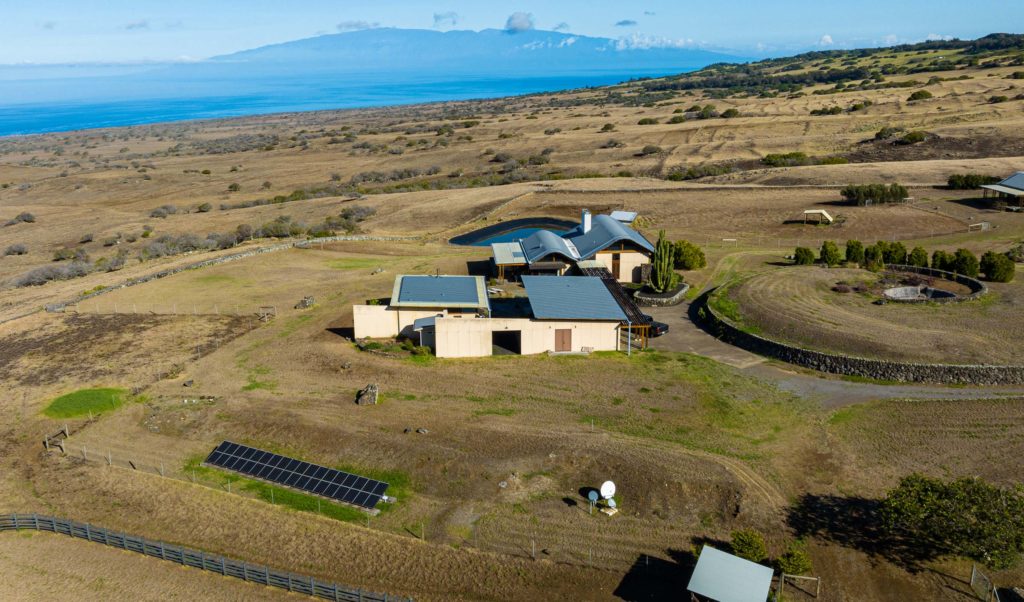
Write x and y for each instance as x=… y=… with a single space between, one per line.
x=312 y=478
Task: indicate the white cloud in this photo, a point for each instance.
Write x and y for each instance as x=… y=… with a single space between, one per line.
x=356 y=25
x=446 y=19
x=567 y=42
x=639 y=41
x=935 y=37
x=519 y=21
x=826 y=40
x=536 y=45
x=563 y=26
x=891 y=39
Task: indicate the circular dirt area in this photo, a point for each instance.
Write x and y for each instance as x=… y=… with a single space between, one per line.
x=835 y=310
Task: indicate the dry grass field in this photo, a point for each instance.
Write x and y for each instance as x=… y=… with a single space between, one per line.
x=698 y=448
x=799 y=305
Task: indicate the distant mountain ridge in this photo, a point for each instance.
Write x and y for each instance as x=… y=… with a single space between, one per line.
x=534 y=51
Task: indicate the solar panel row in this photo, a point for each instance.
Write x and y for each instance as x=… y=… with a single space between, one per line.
x=319 y=480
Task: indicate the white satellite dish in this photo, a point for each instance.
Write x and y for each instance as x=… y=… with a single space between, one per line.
x=607 y=490
x=611 y=503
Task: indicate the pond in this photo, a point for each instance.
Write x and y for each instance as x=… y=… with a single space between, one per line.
x=512 y=230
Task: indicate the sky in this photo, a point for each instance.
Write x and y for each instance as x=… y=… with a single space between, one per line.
x=122 y=31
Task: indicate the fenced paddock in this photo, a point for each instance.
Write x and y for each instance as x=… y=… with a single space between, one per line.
x=229 y=567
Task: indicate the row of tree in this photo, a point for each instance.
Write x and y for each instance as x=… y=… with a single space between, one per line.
x=997 y=267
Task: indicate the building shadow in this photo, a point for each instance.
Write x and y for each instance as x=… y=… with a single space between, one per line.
x=480 y=267
x=977 y=203
x=652 y=578
x=345 y=332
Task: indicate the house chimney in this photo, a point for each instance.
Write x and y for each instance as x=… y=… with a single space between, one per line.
x=585 y=221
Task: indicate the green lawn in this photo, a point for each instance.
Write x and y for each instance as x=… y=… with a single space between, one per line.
x=81 y=403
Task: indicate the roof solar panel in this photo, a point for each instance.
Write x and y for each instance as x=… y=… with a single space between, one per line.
x=312 y=478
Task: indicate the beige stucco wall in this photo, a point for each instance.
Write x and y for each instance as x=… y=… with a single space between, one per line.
x=471 y=337
x=629 y=264
x=381 y=321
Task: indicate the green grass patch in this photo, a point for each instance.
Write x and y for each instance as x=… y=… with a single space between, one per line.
x=84 y=401
x=845 y=415
x=215 y=279
x=302 y=502
x=355 y=263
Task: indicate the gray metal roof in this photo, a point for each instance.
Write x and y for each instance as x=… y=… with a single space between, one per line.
x=421 y=323
x=508 y=253
x=1016 y=181
x=726 y=578
x=1004 y=189
x=543 y=243
x=571 y=298
x=440 y=291
x=626 y=217
x=604 y=232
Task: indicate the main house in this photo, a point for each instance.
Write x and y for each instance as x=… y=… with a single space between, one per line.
x=454 y=316
x=605 y=240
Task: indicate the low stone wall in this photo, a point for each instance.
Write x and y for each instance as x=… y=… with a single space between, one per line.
x=648 y=300
x=854 y=366
x=978 y=288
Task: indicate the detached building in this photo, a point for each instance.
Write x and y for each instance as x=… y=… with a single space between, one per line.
x=451 y=314
x=607 y=239
x=1011 y=188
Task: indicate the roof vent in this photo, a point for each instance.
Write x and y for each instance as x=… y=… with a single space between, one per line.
x=585 y=221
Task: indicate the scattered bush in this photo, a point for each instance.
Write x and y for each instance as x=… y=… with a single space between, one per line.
x=678 y=174
x=855 y=252
x=864 y=194
x=163 y=211
x=608 y=127
x=677 y=119
x=730 y=113
x=234 y=187
x=998 y=99
x=613 y=143
x=920 y=95
x=650 y=149
x=647 y=121
x=86 y=238
x=204 y=208
x=689 y=256
x=997 y=267
x=887 y=132
x=912 y=137
x=25 y=217
x=970 y=181
x=16 y=249
x=749 y=544
x=786 y=159
x=803 y=256
x=827 y=111
x=42 y=275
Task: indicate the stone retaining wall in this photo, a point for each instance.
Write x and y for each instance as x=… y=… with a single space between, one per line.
x=647 y=300
x=854 y=366
x=978 y=288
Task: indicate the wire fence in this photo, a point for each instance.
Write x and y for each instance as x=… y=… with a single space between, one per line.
x=982 y=586
x=222 y=565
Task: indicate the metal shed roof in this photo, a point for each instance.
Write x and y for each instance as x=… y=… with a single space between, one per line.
x=508 y=253
x=626 y=217
x=604 y=232
x=544 y=243
x=440 y=291
x=726 y=578
x=1016 y=181
x=571 y=298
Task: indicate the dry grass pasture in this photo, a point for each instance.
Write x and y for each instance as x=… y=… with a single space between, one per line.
x=697 y=447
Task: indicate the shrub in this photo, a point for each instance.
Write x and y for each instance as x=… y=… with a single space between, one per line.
x=942 y=260
x=966 y=263
x=16 y=249
x=204 y=208
x=749 y=544
x=650 y=149
x=613 y=143
x=785 y=160
x=920 y=95
x=887 y=132
x=918 y=257
x=966 y=517
x=864 y=194
x=970 y=181
x=997 y=267
x=893 y=252
x=830 y=254
x=42 y=275
x=163 y=211
x=86 y=238
x=24 y=217
x=730 y=113
x=608 y=127
x=677 y=119
x=803 y=256
x=689 y=256
x=827 y=111
x=874 y=258
x=912 y=138
x=663 y=277
x=855 y=252
x=234 y=187
x=795 y=560
x=647 y=121
x=998 y=99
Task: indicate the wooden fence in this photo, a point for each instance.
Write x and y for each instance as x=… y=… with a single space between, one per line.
x=222 y=565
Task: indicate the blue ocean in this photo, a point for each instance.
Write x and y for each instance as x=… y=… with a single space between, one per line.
x=181 y=101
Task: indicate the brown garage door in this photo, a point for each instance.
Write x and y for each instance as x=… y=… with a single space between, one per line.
x=563 y=339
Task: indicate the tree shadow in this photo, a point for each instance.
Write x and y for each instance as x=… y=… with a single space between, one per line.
x=856 y=522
